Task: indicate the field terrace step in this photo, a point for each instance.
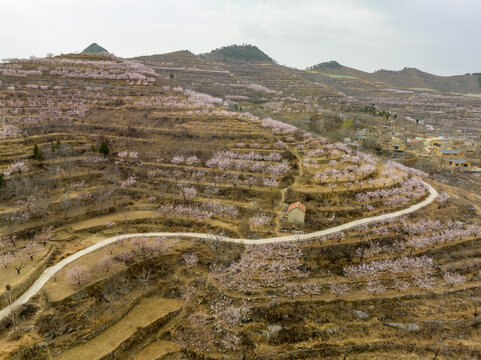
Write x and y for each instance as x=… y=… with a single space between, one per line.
x=74 y=214
x=143 y=314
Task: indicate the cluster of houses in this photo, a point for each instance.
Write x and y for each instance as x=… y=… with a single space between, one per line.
x=443 y=148
x=400 y=146
x=450 y=156
x=453 y=157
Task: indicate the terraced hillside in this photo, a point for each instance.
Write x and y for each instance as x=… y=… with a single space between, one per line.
x=445 y=105
x=407 y=78
x=442 y=104
x=239 y=79
x=92 y=146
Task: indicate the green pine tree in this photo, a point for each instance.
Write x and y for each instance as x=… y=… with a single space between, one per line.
x=104 y=148
x=37 y=154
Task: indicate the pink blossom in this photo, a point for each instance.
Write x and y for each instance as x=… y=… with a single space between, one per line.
x=77 y=274
x=130 y=181
x=339 y=288
x=16 y=167
x=191 y=260
x=278 y=126
x=260 y=220
x=453 y=278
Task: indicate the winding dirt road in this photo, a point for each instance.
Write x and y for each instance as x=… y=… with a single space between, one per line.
x=50 y=271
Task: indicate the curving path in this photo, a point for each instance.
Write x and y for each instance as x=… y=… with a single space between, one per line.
x=50 y=271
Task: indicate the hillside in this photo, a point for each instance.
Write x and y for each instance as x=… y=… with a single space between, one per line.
x=226 y=73
x=176 y=59
x=238 y=53
x=335 y=68
x=94 y=48
x=411 y=78
x=327 y=65
x=290 y=93
x=149 y=209
x=407 y=78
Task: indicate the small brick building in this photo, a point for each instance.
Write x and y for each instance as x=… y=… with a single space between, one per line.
x=450 y=152
x=296 y=213
x=398 y=147
x=458 y=162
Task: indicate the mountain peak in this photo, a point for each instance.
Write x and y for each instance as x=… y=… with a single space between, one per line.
x=327 y=65
x=244 y=52
x=94 y=48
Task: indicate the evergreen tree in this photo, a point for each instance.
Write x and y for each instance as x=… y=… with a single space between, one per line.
x=37 y=154
x=2 y=180
x=104 y=148
x=55 y=146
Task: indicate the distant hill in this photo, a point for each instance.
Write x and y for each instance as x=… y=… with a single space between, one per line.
x=416 y=79
x=239 y=52
x=407 y=78
x=94 y=49
x=240 y=72
x=328 y=65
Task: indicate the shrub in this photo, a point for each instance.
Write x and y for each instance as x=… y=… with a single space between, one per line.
x=104 y=148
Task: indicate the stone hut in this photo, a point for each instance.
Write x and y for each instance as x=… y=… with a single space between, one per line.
x=296 y=213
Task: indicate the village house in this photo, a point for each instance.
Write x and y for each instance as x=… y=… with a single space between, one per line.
x=449 y=152
x=398 y=147
x=442 y=143
x=296 y=213
x=315 y=142
x=458 y=162
x=415 y=143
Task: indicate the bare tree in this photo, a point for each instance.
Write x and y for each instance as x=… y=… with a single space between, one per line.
x=19 y=267
x=144 y=277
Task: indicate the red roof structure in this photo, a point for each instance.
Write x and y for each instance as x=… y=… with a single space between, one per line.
x=297 y=205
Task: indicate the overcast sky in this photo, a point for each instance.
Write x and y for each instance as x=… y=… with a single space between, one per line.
x=437 y=36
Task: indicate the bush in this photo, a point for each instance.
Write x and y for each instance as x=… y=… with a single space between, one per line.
x=104 y=148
